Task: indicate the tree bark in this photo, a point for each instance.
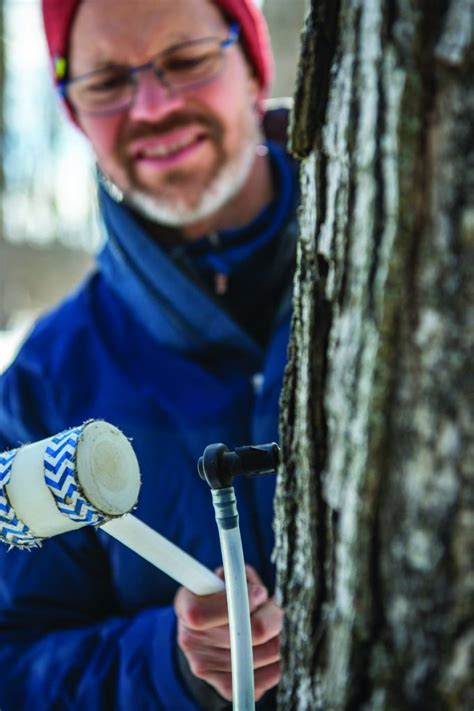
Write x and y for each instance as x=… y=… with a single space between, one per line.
x=374 y=511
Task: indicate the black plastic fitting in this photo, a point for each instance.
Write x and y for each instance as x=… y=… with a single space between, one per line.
x=218 y=465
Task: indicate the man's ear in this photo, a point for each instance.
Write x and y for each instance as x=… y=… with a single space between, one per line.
x=256 y=91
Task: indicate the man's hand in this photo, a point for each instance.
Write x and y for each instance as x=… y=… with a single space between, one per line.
x=203 y=636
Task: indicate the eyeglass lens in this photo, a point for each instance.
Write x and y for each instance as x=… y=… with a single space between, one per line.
x=179 y=68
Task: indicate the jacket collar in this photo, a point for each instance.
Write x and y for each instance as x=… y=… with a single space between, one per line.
x=169 y=305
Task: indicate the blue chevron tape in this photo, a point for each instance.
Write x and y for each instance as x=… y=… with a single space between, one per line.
x=12 y=530
x=60 y=476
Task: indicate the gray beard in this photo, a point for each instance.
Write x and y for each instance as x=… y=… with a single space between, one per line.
x=177 y=213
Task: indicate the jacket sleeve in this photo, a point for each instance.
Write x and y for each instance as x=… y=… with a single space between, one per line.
x=64 y=642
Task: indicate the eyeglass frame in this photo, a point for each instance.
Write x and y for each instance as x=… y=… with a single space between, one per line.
x=134 y=71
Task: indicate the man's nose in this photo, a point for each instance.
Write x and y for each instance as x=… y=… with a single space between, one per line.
x=153 y=98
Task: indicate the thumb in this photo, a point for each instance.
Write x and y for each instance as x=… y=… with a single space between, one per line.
x=258 y=593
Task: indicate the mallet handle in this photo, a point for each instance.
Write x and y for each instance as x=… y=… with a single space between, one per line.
x=163 y=554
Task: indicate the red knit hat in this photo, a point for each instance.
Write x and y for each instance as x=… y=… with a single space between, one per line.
x=58 y=16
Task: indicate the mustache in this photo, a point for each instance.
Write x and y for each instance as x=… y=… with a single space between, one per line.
x=178 y=119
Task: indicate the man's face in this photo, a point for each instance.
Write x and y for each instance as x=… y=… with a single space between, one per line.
x=179 y=155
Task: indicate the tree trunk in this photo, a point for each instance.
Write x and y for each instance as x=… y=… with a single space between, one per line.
x=375 y=501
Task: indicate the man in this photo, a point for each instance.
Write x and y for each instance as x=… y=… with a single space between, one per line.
x=179 y=338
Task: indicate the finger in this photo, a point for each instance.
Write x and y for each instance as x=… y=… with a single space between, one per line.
x=250 y=573
x=216 y=637
x=255 y=586
x=214 y=646
x=266 y=678
x=214 y=665
x=266 y=622
x=201 y=612
x=258 y=596
x=204 y=660
x=267 y=653
x=207 y=664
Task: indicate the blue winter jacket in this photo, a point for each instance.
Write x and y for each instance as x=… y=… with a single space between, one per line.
x=85 y=622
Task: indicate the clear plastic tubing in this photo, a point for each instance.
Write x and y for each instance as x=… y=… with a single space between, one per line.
x=225 y=507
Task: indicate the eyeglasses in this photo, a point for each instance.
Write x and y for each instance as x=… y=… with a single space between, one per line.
x=181 y=67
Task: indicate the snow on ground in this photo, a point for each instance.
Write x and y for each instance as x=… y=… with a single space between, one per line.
x=11 y=339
